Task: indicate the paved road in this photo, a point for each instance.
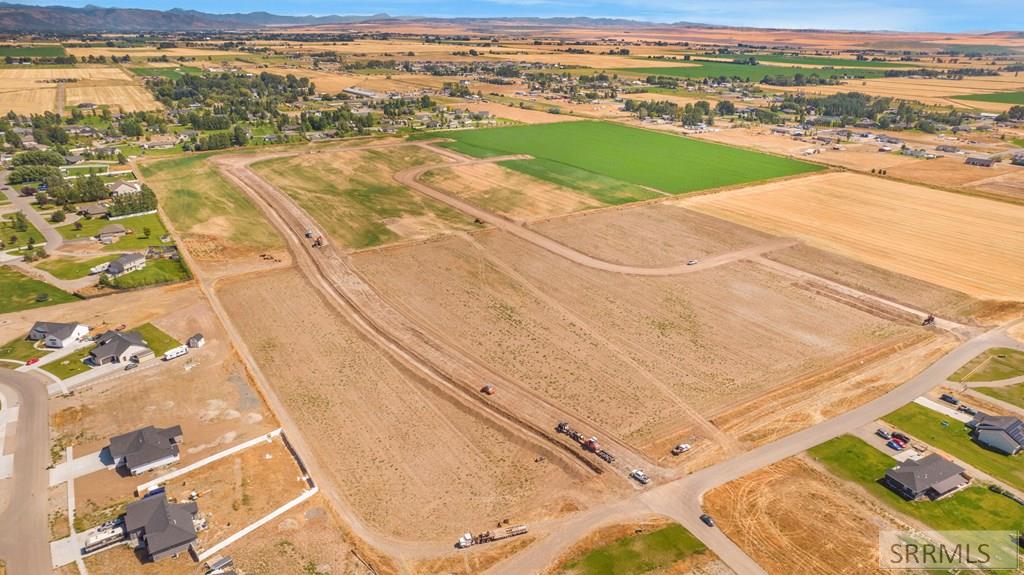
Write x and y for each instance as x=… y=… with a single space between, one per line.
x=24 y=533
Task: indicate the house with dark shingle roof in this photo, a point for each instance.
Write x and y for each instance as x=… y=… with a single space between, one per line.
x=164 y=529
x=119 y=347
x=1001 y=433
x=126 y=263
x=144 y=449
x=932 y=477
x=57 y=335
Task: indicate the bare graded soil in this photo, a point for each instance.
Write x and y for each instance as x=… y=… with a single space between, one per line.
x=793 y=514
x=632 y=354
x=399 y=453
x=959 y=242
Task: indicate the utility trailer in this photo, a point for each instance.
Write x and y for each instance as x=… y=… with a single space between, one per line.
x=468 y=539
x=589 y=443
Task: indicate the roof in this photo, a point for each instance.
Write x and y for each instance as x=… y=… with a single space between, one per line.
x=94 y=209
x=112 y=229
x=1009 y=425
x=165 y=525
x=58 y=330
x=922 y=474
x=124 y=260
x=146 y=445
x=114 y=343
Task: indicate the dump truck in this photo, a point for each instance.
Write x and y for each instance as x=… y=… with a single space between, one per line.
x=468 y=539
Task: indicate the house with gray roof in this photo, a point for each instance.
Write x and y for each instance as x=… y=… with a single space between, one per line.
x=119 y=347
x=126 y=263
x=932 y=477
x=1000 y=433
x=144 y=449
x=57 y=335
x=162 y=528
x=111 y=233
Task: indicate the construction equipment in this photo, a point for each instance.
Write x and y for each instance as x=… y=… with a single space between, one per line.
x=930 y=320
x=309 y=234
x=468 y=539
x=680 y=449
x=588 y=443
x=487 y=390
x=319 y=242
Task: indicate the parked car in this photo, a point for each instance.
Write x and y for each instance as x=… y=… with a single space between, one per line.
x=895 y=445
x=883 y=433
x=131 y=366
x=692 y=262
x=32 y=361
x=640 y=476
x=902 y=437
x=949 y=399
x=680 y=449
x=707 y=520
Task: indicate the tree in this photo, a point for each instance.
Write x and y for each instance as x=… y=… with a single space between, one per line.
x=239 y=136
x=1015 y=113
x=41 y=198
x=57 y=216
x=78 y=226
x=725 y=108
x=146 y=232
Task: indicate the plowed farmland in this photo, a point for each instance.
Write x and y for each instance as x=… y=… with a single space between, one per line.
x=960 y=242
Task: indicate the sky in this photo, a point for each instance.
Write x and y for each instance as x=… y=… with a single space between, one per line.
x=903 y=15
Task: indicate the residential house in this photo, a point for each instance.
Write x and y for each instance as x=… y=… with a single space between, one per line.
x=126 y=263
x=163 y=528
x=932 y=477
x=111 y=233
x=1004 y=434
x=57 y=335
x=73 y=159
x=980 y=162
x=144 y=449
x=948 y=149
x=124 y=188
x=119 y=347
x=93 y=210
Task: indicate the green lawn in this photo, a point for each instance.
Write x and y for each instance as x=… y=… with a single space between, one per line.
x=1018 y=142
x=637 y=554
x=1013 y=394
x=22 y=350
x=662 y=161
x=171 y=73
x=707 y=69
x=999 y=97
x=156 y=272
x=72 y=268
x=193 y=194
x=133 y=241
x=992 y=365
x=156 y=338
x=926 y=425
x=12 y=238
x=974 y=508
x=825 y=61
x=35 y=51
x=70 y=365
x=19 y=292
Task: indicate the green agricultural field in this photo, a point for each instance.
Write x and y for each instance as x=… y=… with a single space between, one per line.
x=170 y=73
x=72 y=268
x=973 y=508
x=194 y=195
x=998 y=97
x=926 y=425
x=19 y=292
x=992 y=365
x=708 y=69
x=35 y=51
x=650 y=552
x=657 y=160
x=156 y=272
x=156 y=338
x=70 y=365
x=22 y=350
x=137 y=240
x=825 y=61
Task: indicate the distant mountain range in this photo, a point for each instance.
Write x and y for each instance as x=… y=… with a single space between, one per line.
x=23 y=18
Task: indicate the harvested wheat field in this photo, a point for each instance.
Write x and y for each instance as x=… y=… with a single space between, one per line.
x=927 y=91
x=126 y=98
x=515 y=113
x=964 y=243
x=653 y=346
x=32 y=101
x=780 y=515
x=399 y=452
x=353 y=195
x=324 y=81
x=951 y=171
x=507 y=192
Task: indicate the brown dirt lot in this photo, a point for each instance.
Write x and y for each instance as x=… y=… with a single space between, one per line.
x=927 y=91
x=399 y=452
x=508 y=192
x=650 y=345
x=956 y=241
x=515 y=113
x=126 y=98
x=951 y=171
x=779 y=515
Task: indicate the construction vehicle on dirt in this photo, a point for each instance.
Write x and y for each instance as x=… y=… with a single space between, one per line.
x=468 y=540
x=588 y=443
x=930 y=320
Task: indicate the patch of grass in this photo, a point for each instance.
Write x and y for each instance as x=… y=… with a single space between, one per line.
x=20 y=292
x=193 y=195
x=156 y=272
x=1013 y=394
x=70 y=365
x=662 y=161
x=708 y=69
x=32 y=51
x=21 y=349
x=992 y=365
x=12 y=238
x=998 y=97
x=156 y=338
x=96 y=515
x=602 y=188
x=67 y=268
x=926 y=425
x=136 y=240
x=973 y=508
x=637 y=554
x=171 y=73
x=1018 y=142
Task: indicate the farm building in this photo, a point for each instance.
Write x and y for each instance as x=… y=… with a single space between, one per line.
x=947 y=149
x=163 y=528
x=932 y=477
x=980 y=162
x=196 y=341
x=57 y=335
x=1003 y=434
x=126 y=263
x=144 y=449
x=118 y=347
